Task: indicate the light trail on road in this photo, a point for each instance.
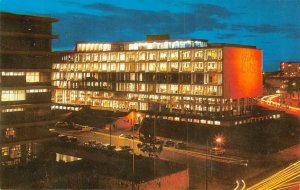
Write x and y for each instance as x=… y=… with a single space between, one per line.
x=279 y=179
x=267 y=101
x=239 y=186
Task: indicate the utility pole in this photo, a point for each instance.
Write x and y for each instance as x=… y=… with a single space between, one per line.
x=133 y=166
x=110 y=134
x=206 y=163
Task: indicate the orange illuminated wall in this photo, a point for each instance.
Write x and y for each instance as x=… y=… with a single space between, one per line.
x=242 y=72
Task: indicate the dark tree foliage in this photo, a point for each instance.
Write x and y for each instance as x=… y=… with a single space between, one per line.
x=149 y=144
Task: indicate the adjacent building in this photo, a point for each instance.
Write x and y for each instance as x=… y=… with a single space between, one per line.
x=290 y=78
x=25 y=83
x=167 y=77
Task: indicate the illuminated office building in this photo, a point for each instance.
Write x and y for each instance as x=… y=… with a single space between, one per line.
x=25 y=79
x=164 y=76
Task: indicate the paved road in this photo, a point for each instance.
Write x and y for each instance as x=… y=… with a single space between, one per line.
x=169 y=153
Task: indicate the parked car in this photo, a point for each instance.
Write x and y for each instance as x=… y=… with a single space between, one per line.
x=244 y=162
x=169 y=143
x=180 y=145
x=73 y=139
x=61 y=124
x=62 y=138
x=99 y=146
x=109 y=147
x=217 y=151
x=125 y=147
x=92 y=142
x=159 y=141
x=129 y=136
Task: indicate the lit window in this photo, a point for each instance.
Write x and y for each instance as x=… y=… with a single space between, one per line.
x=217 y=123
x=122 y=67
x=32 y=77
x=12 y=95
x=12 y=110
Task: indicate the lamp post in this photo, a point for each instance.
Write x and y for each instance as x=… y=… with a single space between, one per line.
x=139 y=123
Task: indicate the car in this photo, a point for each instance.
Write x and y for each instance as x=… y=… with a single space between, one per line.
x=129 y=136
x=92 y=142
x=86 y=144
x=169 y=143
x=125 y=147
x=122 y=136
x=99 y=146
x=61 y=124
x=73 y=139
x=109 y=147
x=217 y=151
x=180 y=145
x=244 y=162
x=159 y=141
x=62 y=138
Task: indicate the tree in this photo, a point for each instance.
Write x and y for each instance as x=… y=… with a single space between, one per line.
x=149 y=144
x=298 y=89
x=290 y=87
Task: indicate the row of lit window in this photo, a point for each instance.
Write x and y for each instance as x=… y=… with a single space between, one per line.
x=12 y=73
x=13 y=95
x=206 y=78
x=90 y=98
x=158 y=88
x=18 y=95
x=171 y=89
x=142 y=67
x=30 y=76
x=245 y=121
x=93 y=47
x=203 y=54
x=140 y=96
x=12 y=110
x=142 y=45
x=37 y=90
x=166 y=45
x=141 y=106
x=71 y=108
x=183 y=119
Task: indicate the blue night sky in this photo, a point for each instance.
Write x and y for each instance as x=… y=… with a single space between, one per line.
x=272 y=25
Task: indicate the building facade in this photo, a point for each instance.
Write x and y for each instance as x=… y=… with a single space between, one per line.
x=25 y=82
x=290 y=81
x=160 y=75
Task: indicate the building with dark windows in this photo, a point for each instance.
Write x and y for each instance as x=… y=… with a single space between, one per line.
x=175 y=79
x=25 y=83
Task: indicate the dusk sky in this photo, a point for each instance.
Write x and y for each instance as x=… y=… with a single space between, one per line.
x=272 y=25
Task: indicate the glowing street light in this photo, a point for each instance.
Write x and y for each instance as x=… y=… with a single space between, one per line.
x=219 y=140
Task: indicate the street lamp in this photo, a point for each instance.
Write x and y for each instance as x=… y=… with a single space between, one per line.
x=219 y=140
